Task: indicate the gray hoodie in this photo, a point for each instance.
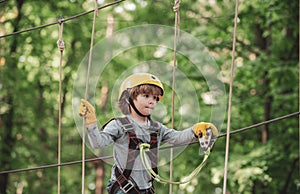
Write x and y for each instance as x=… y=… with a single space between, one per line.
x=113 y=133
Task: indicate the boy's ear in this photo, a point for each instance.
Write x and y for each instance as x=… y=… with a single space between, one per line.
x=126 y=94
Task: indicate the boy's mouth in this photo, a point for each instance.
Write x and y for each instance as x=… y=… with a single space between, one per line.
x=151 y=108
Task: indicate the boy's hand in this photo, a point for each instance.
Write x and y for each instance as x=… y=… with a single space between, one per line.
x=87 y=111
x=200 y=129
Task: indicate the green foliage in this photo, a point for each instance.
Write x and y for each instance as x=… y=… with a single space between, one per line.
x=265 y=87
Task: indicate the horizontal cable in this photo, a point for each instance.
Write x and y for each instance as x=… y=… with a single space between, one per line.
x=262 y=123
x=163 y=148
x=56 y=165
x=85 y=13
x=62 y=20
x=241 y=129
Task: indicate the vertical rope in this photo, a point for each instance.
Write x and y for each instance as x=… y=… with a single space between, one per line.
x=230 y=97
x=86 y=93
x=61 y=47
x=176 y=38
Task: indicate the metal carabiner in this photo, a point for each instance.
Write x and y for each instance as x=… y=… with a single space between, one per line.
x=207 y=142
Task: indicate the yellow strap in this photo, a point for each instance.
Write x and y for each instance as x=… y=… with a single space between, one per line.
x=145 y=147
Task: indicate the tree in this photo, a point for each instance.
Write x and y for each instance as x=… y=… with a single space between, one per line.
x=264 y=88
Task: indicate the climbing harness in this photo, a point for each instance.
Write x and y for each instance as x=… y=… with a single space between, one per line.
x=206 y=144
x=123 y=179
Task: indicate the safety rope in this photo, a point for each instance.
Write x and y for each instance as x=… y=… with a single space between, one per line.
x=176 y=38
x=61 y=47
x=144 y=147
x=230 y=97
x=86 y=93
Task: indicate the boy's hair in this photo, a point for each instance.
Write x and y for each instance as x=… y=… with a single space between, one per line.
x=132 y=93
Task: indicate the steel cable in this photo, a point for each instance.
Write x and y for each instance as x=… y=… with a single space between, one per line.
x=64 y=20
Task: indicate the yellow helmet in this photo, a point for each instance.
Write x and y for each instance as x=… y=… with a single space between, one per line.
x=140 y=79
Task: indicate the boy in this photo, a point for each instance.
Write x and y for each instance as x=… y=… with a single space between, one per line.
x=138 y=96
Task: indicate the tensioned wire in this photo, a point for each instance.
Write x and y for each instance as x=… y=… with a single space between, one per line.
x=63 y=20
x=163 y=148
x=91 y=11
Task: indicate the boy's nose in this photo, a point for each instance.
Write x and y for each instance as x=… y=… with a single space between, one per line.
x=152 y=101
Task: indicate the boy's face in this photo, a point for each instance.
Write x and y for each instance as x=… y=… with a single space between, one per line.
x=146 y=103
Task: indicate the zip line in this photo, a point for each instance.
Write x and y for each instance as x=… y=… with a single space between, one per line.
x=163 y=148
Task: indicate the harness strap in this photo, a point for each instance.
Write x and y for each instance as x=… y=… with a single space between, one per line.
x=153 y=153
x=123 y=180
x=123 y=183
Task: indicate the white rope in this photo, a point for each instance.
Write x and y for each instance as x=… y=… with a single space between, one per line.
x=230 y=98
x=176 y=38
x=61 y=46
x=86 y=94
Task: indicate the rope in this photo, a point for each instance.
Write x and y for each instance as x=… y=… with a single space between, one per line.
x=176 y=38
x=86 y=94
x=61 y=47
x=145 y=147
x=230 y=98
x=177 y=19
x=65 y=20
x=163 y=148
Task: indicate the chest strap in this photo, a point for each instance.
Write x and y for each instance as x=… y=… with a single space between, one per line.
x=123 y=179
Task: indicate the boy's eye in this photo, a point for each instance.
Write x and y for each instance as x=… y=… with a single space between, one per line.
x=156 y=98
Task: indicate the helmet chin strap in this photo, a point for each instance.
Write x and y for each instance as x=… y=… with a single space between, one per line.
x=136 y=110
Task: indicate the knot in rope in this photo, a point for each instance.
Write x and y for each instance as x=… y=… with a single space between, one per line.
x=176 y=6
x=177 y=23
x=61 y=45
x=96 y=7
x=60 y=42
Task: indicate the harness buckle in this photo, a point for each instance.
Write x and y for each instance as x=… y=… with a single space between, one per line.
x=127 y=127
x=127 y=187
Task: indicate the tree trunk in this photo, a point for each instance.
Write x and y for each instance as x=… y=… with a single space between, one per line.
x=267 y=108
x=264 y=45
x=99 y=167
